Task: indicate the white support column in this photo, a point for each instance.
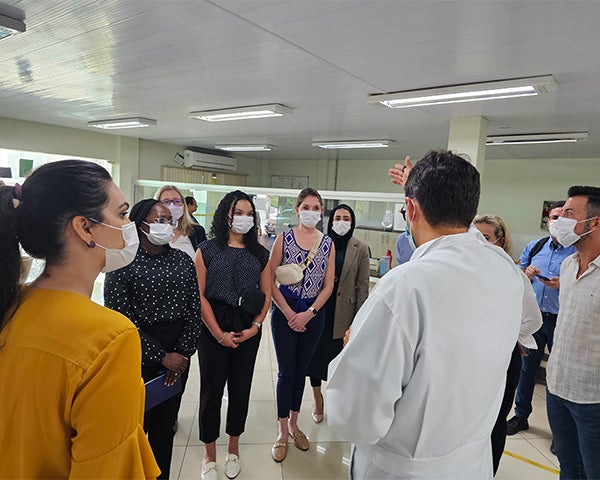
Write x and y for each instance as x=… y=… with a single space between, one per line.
x=128 y=166
x=467 y=135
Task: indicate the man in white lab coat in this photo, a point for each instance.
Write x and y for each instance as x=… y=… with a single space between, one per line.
x=418 y=387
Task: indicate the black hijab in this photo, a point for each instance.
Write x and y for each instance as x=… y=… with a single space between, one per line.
x=341 y=241
x=140 y=211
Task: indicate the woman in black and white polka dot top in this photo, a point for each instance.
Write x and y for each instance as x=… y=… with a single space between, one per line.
x=158 y=292
x=230 y=266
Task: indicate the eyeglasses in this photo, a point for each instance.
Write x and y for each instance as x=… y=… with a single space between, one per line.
x=164 y=221
x=175 y=201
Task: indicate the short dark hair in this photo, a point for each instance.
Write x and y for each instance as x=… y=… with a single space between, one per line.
x=447 y=188
x=556 y=205
x=593 y=198
x=190 y=200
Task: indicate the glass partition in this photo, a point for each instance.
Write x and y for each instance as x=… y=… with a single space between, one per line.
x=374 y=211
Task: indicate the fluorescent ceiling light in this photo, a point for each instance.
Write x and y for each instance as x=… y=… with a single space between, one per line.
x=118 y=123
x=534 y=138
x=242 y=113
x=340 y=144
x=10 y=26
x=473 y=92
x=246 y=148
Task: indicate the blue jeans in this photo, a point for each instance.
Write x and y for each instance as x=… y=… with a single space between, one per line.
x=530 y=364
x=576 y=432
x=294 y=351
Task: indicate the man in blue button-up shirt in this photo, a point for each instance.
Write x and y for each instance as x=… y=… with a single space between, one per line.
x=543 y=269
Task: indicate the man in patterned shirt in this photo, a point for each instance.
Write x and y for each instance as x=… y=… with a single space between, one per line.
x=573 y=372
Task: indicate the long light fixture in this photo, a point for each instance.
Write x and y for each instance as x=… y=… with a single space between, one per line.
x=10 y=26
x=343 y=144
x=118 y=123
x=535 y=138
x=246 y=148
x=242 y=113
x=472 y=92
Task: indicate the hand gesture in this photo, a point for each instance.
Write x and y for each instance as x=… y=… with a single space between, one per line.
x=531 y=271
x=171 y=377
x=399 y=173
x=175 y=362
x=228 y=340
x=554 y=282
x=347 y=336
x=299 y=321
x=239 y=337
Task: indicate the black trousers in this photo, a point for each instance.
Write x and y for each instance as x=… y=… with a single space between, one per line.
x=220 y=365
x=499 y=430
x=159 y=422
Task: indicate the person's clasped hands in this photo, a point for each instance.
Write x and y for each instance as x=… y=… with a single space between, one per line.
x=175 y=364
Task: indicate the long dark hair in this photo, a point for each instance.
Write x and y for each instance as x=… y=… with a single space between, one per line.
x=37 y=214
x=219 y=229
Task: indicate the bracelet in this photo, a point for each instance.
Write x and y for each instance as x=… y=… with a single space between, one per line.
x=222 y=338
x=257 y=325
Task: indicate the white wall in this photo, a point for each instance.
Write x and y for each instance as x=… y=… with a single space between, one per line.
x=512 y=188
x=132 y=158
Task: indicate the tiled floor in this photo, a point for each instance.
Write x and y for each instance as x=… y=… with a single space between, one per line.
x=329 y=455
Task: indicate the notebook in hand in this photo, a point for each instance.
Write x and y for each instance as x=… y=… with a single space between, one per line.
x=157 y=392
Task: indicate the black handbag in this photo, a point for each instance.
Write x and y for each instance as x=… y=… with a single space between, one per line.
x=230 y=317
x=250 y=300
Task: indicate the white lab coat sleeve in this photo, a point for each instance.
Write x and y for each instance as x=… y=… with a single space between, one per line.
x=531 y=318
x=366 y=379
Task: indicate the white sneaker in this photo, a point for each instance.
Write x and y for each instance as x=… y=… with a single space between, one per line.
x=232 y=465
x=209 y=471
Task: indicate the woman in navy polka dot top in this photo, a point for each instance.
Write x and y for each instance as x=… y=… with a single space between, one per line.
x=158 y=292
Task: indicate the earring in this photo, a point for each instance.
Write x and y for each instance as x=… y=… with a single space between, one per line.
x=92 y=244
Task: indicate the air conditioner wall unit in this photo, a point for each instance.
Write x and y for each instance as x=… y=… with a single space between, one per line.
x=209 y=161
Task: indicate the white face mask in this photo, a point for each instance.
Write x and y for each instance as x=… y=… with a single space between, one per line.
x=121 y=257
x=563 y=229
x=160 y=233
x=341 y=227
x=308 y=218
x=176 y=211
x=242 y=223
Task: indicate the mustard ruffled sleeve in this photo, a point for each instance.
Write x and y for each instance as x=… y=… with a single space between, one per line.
x=107 y=414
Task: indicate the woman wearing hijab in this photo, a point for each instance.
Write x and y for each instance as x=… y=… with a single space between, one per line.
x=350 y=290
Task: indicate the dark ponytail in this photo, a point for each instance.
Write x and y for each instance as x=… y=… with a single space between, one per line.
x=10 y=258
x=48 y=200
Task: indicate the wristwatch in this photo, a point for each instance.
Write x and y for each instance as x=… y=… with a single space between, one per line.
x=257 y=324
x=314 y=311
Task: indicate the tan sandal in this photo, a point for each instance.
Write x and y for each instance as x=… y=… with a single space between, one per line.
x=300 y=441
x=279 y=451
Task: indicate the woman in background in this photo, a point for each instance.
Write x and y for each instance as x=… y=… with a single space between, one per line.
x=186 y=237
x=350 y=290
x=72 y=397
x=158 y=292
x=496 y=232
x=298 y=316
x=229 y=263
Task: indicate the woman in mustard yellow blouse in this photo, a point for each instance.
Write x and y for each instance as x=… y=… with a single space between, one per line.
x=71 y=401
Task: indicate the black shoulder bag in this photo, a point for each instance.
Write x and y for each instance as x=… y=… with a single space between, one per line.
x=250 y=300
